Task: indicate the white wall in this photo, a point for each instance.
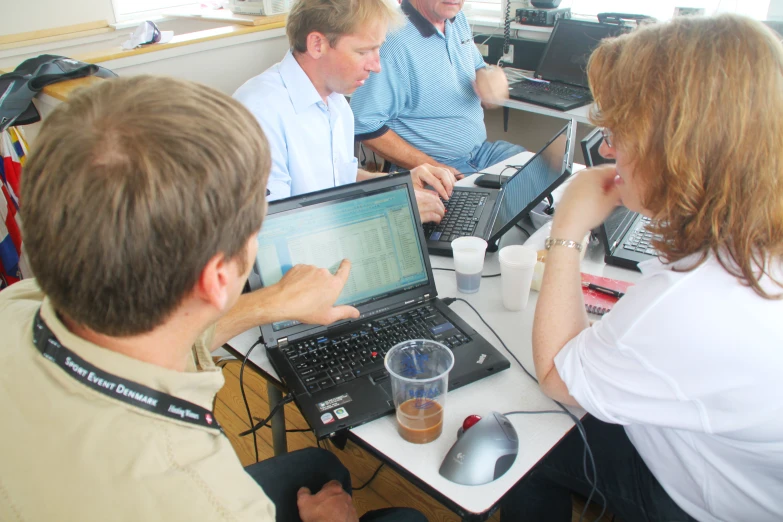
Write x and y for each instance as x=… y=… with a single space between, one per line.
x=21 y=16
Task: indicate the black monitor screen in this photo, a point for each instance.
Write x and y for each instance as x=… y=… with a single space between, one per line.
x=569 y=48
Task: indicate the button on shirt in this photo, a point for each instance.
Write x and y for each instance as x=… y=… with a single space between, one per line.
x=691 y=363
x=424 y=91
x=68 y=452
x=311 y=141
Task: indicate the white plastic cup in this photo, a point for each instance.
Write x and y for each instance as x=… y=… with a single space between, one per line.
x=419 y=371
x=516 y=273
x=468 y=262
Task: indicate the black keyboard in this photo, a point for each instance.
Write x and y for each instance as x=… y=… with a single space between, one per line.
x=640 y=240
x=559 y=90
x=328 y=361
x=463 y=211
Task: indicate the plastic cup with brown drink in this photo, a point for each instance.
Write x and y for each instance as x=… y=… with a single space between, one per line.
x=419 y=371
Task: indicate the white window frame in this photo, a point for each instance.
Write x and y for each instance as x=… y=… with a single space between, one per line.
x=124 y=9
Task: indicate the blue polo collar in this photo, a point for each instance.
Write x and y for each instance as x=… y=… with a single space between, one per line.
x=424 y=26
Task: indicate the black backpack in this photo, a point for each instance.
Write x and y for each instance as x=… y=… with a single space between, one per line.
x=18 y=88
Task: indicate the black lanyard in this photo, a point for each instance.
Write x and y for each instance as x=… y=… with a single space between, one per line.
x=118 y=388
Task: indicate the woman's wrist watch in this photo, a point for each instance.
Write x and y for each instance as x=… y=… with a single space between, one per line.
x=551 y=241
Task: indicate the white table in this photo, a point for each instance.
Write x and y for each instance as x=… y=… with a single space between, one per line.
x=506 y=391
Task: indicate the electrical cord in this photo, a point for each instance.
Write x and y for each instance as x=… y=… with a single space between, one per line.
x=371 y=479
x=288 y=398
x=588 y=453
x=242 y=389
x=452 y=270
x=506 y=31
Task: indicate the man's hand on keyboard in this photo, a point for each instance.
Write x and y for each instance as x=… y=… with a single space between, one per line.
x=307 y=294
x=441 y=180
x=431 y=207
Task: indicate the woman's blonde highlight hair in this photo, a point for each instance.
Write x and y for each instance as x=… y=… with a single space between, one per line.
x=697 y=104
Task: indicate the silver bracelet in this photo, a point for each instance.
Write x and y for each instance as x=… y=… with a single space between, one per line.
x=550 y=242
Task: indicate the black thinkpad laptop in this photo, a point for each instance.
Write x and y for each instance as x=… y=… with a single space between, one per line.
x=626 y=240
x=336 y=372
x=490 y=213
x=561 y=79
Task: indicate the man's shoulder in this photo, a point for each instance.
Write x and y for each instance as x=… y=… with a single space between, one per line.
x=264 y=93
x=18 y=302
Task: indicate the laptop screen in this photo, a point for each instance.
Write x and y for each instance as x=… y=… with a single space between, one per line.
x=533 y=182
x=569 y=48
x=375 y=230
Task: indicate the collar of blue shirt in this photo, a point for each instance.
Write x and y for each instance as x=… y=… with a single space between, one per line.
x=301 y=90
x=424 y=26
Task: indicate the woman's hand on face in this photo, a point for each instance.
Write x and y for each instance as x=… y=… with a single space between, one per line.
x=587 y=202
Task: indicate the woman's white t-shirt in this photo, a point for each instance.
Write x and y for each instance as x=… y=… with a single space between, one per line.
x=691 y=363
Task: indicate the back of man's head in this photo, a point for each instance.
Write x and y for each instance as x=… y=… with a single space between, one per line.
x=131 y=187
x=336 y=18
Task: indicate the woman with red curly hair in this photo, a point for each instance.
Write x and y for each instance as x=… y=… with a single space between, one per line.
x=683 y=378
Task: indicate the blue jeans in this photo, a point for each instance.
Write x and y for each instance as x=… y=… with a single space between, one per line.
x=632 y=492
x=483 y=156
x=281 y=477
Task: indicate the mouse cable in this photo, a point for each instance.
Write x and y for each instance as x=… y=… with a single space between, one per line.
x=452 y=270
x=588 y=453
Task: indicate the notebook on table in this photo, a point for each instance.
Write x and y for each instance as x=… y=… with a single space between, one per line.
x=336 y=372
x=490 y=213
x=626 y=240
x=560 y=80
x=597 y=302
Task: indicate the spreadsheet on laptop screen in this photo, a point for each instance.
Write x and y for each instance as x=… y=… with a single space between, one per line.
x=376 y=232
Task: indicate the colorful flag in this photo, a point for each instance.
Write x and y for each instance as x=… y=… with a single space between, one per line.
x=13 y=266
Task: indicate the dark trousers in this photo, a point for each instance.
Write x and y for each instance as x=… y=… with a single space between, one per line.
x=281 y=477
x=632 y=492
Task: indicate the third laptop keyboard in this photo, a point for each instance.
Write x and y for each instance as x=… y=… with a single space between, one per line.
x=330 y=360
x=463 y=211
x=641 y=239
x=560 y=90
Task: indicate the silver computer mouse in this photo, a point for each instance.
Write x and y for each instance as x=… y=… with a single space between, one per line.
x=483 y=452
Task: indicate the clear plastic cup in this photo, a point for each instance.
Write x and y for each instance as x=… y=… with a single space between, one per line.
x=468 y=262
x=517 y=264
x=419 y=371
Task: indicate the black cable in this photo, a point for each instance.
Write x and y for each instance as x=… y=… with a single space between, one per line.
x=242 y=389
x=587 y=451
x=507 y=30
x=371 y=479
x=288 y=398
x=523 y=229
x=452 y=270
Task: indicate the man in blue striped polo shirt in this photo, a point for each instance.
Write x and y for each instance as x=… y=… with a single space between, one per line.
x=425 y=106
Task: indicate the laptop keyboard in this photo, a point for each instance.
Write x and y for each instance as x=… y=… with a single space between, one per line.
x=640 y=240
x=463 y=211
x=328 y=361
x=559 y=90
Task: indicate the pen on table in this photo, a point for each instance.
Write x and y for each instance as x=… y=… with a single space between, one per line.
x=603 y=289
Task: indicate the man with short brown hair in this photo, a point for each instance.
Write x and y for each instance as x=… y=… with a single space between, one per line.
x=141 y=201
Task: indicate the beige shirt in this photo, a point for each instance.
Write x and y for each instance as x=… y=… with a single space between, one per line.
x=68 y=452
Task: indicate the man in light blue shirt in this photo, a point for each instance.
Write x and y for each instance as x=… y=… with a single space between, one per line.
x=426 y=104
x=301 y=106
